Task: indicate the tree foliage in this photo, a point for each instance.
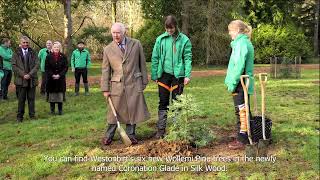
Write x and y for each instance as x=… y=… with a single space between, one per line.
x=286 y=41
x=206 y=26
x=289 y=19
x=158 y=9
x=147 y=35
x=184 y=126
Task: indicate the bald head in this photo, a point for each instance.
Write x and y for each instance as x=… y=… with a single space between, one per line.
x=118 y=30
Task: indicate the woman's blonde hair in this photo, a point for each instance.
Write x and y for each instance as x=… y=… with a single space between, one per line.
x=57 y=43
x=241 y=27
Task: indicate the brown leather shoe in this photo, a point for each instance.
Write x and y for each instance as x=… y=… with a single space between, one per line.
x=235 y=145
x=134 y=140
x=106 y=141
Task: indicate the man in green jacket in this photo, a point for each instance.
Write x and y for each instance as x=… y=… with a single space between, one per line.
x=80 y=62
x=170 y=67
x=6 y=55
x=42 y=57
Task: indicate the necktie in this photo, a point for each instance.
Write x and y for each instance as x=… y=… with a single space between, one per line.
x=24 y=54
x=121 y=48
x=26 y=61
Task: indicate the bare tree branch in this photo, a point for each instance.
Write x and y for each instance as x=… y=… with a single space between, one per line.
x=84 y=18
x=23 y=32
x=47 y=13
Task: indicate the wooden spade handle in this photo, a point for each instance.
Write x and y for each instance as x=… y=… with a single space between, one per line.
x=112 y=107
x=263 y=80
x=246 y=101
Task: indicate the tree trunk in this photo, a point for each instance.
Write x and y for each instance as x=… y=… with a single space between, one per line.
x=114 y=11
x=67 y=28
x=316 y=30
x=209 y=31
x=185 y=16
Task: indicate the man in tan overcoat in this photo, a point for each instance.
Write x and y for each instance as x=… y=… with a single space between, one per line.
x=124 y=77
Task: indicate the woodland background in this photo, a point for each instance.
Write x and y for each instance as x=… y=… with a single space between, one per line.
x=281 y=27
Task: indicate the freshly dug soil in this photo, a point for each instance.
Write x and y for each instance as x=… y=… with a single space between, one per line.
x=158 y=148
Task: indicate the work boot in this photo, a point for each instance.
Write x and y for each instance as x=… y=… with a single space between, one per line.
x=131 y=132
x=86 y=89
x=161 y=125
x=76 y=89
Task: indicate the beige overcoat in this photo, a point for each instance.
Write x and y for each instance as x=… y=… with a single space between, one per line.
x=124 y=75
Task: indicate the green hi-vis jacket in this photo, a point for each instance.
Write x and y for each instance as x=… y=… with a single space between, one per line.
x=80 y=59
x=6 y=54
x=181 y=57
x=241 y=62
x=42 y=55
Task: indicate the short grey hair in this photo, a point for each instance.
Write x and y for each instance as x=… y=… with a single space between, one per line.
x=24 y=38
x=121 y=25
x=49 y=41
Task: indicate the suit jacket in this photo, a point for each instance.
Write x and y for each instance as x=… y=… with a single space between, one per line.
x=125 y=76
x=19 y=68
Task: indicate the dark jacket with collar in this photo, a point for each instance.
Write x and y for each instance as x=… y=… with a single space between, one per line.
x=21 y=67
x=53 y=67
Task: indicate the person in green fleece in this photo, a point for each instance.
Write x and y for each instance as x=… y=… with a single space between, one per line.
x=170 y=67
x=80 y=62
x=6 y=55
x=42 y=57
x=1 y=75
x=240 y=63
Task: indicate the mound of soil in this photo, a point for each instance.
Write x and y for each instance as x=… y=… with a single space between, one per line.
x=159 y=148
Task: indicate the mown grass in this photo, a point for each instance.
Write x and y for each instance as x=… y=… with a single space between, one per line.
x=292 y=104
x=95 y=69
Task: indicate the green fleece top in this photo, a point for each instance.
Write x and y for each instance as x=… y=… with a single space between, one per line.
x=165 y=57
x=241 y=62
x=6 y=53
x=42 y=57
x=168 y=59
x=80 y=59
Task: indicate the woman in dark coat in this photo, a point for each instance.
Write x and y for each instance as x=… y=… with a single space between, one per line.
x=56 y=69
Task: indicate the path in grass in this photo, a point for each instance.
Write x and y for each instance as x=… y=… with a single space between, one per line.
x=93 y=80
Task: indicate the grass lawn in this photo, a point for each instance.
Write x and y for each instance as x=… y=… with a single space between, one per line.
x=96 y=68
x=27 y=150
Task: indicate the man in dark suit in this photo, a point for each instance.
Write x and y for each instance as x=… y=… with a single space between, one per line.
x=25 y=65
